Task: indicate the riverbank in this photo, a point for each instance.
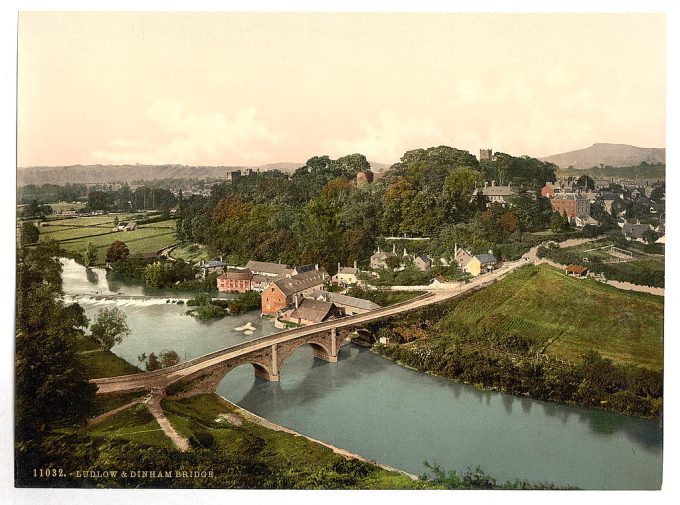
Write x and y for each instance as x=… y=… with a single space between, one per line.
x=516 y=337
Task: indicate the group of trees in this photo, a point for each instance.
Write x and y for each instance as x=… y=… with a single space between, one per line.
x=164 y=359
x=50 y=193
x=127 y=200
x=319 y=215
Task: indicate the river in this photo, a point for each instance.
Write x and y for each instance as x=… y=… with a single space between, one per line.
x=399 y=417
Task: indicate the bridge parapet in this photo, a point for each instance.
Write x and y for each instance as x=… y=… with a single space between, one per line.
x=344 y=322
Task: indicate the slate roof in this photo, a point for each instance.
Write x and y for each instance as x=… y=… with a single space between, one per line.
x=312 y=310
x=486 y=258
x=382 y=255
x=498 y=191
x=348 y=301
x=300 y=269
x=238 y=275
x=300 y=282
x=348 y=270
x=425 y=258
x=267 y=267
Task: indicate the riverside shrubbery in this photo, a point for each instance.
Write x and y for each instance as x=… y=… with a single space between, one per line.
x=207 y=308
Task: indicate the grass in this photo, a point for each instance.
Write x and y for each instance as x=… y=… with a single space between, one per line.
x=75 y=234
x=295 y=453
x=569 y=316
x=191 y=253
x=99 y=362
x=103 y=404
x=642 y=269
x=135 y=424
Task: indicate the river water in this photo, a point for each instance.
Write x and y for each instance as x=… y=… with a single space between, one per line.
x=385 y=412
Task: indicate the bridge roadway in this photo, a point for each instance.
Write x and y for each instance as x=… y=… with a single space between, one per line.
x=264 y=349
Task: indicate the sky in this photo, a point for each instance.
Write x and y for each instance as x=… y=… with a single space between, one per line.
x=249 y=89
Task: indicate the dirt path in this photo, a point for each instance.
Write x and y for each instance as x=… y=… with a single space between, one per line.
x=153 y=403
x=110 y=413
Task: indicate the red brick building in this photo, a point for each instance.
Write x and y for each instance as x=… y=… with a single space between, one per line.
x=548 y=191
x=283 y=293
x=571 y=204
x=235 y=281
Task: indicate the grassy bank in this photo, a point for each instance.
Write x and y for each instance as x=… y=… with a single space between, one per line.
x=99 y=362
x=542 y=334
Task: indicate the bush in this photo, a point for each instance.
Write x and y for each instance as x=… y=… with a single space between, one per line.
x=207 y=312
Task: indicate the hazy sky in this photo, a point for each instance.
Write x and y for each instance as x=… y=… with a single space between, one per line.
x=231 y=89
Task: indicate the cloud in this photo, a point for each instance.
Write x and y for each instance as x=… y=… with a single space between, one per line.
x=200 y=138
x=388 y=137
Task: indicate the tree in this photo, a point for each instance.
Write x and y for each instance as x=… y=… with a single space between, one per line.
x=90 y=255
x=153 y=363
x=29 y=233
x=585 y=181
x=110 y=327
x=556 y=222
x=116 y=221
x=117 y=251
x=169 y=358
x=458 y=188
x=51 y=386
x=154 y=275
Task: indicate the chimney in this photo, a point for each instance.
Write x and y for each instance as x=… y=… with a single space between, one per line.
x=316 y=266
x=405 y=252
x=338 y=267
x=486 y=184
x=493 y=183
x=355 y=264
x=296 y=301
x=394 y=248
x=455 y=250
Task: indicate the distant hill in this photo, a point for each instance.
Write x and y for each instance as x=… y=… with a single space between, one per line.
x=99 y=174
x=614 y=155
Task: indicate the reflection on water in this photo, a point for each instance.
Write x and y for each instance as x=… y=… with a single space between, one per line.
x=368 y=405
x=400 y=417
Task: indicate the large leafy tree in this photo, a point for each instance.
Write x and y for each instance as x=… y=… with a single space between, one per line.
x=51 y=387
x=117 y=251
x=29 y=233
x=109 y=327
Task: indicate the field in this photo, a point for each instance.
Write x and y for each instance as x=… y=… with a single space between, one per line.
x=566 y=317
x=75 y=234
x=192 y=253
x=643 y=268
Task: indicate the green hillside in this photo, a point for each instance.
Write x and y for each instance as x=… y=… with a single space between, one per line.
x=564 y=316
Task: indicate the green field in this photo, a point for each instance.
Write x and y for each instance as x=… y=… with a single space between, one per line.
x=643 y=268
x=75 y=234
x=192 y=253
x=565 y=316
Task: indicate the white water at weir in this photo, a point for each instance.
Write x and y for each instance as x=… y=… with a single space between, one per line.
x=121 y=300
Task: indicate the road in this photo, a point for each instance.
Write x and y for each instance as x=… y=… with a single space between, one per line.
x=161 y=378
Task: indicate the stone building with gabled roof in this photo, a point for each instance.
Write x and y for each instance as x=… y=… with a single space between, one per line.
x=235 y=281
x=351 y=304
x=267 y=268
x=286 y=291
x=310 y=311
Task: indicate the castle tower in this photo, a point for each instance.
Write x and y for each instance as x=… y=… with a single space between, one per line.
x=485 y=154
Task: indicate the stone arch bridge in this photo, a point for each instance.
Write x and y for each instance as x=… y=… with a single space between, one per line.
x=266 y=354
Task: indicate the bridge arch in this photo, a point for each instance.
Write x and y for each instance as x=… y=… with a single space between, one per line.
x=321 y=350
